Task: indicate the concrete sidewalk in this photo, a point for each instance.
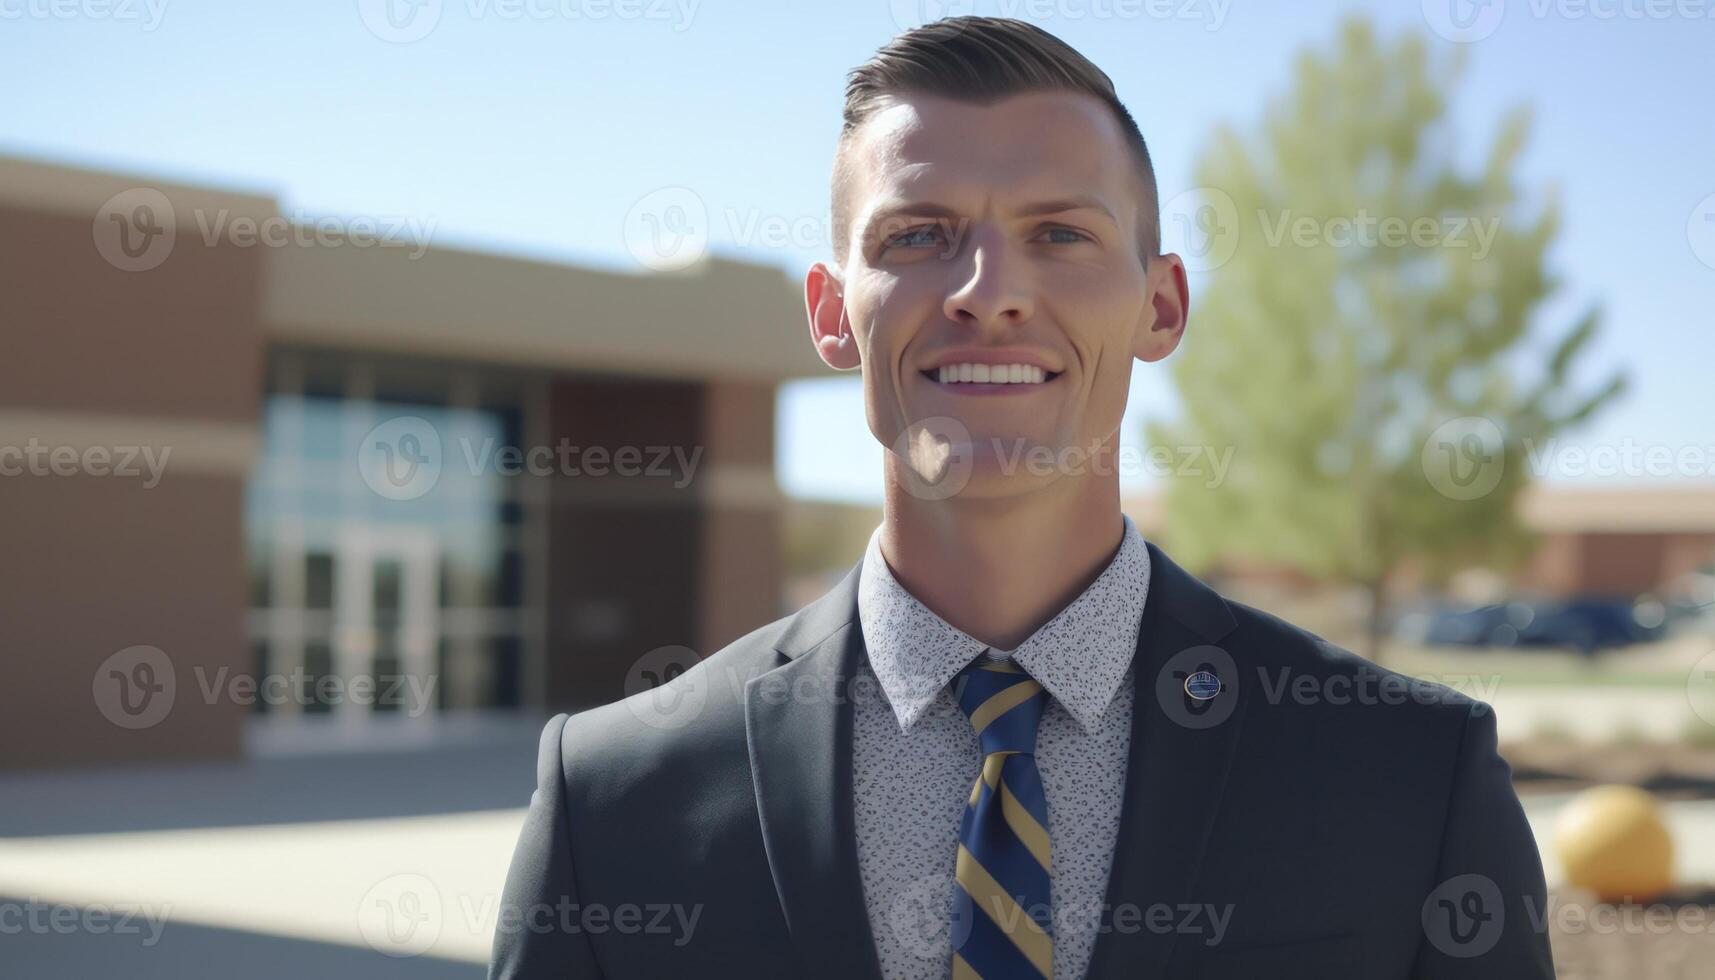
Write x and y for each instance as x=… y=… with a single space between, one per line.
x=307 y=859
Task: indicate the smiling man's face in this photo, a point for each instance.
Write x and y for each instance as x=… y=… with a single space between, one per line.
x=999 y=241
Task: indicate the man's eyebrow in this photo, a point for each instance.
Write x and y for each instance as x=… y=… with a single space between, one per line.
x=1061 y=204
x=930 y=209
x=916 y=209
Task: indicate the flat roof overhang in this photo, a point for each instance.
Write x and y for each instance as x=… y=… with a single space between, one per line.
x=720 y=318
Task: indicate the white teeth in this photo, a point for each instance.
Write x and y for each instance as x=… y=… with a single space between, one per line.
x=991 y=374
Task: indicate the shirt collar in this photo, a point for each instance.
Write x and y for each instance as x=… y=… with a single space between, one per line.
x=1080 y=656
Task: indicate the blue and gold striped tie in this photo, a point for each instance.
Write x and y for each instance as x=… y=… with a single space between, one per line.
x=1002 y=925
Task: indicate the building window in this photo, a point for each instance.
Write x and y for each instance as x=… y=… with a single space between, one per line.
x=352 y=580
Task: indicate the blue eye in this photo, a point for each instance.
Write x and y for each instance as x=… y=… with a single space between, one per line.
x=1076 y=236
x=913 y=237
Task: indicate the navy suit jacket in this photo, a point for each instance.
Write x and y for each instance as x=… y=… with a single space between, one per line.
x=1343 y=828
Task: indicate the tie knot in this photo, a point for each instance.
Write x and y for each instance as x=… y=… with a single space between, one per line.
x=1004 y=705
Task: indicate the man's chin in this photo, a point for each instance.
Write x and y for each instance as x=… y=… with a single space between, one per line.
x=940 y=463
x=994 y=482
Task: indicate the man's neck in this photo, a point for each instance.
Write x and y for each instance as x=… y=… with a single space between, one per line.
x=1000 y=568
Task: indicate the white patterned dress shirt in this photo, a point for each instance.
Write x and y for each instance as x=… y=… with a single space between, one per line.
x=915 y=757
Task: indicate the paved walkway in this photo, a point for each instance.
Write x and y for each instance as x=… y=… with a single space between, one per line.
x=1595 y=714
x=301 y=861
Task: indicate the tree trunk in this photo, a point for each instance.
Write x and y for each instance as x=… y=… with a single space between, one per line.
x=1374 y=621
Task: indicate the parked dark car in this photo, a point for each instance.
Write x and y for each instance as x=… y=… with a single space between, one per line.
x=1495 y=625
x=1587 y=624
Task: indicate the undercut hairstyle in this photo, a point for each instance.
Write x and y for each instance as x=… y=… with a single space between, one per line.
x=981 y=60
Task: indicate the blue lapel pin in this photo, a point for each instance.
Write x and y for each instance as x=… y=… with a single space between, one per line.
x=1202 y=685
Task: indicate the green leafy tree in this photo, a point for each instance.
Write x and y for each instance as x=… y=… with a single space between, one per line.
x=1363 y=339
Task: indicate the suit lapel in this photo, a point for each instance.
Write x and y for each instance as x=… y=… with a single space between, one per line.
x=798 y=720
x=1176 y=773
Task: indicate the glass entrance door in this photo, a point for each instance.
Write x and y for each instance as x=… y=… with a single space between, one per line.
x=386 y=619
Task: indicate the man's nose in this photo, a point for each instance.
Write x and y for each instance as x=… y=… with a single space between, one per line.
x=991 y=284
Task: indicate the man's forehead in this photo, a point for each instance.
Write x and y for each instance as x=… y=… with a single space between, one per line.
x=922 y=144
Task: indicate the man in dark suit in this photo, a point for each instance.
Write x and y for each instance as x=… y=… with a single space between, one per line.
x=1017 y=740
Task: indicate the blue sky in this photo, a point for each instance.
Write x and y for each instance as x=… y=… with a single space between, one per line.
x=533 y=127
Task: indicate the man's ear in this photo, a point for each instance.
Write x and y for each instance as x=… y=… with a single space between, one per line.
x=830 y=331
x=1163 y=322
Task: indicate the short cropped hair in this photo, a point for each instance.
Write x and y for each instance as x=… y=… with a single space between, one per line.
x=981 y=60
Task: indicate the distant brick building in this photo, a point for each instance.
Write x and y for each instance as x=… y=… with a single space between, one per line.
x=1591 y=541
x=581 y=467
x=1619 y=541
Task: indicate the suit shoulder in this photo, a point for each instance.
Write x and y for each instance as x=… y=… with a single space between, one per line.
x=1277 y=655
x=698 y=709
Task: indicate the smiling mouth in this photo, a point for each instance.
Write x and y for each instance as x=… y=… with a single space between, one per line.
x=1004 y=374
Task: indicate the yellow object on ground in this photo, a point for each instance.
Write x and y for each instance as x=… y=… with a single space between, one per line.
x=1613 y=841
